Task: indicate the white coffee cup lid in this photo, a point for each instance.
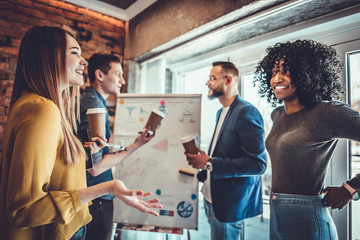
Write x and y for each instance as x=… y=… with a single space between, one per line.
x=187 y=139
x=158 y=112
x=95 y=110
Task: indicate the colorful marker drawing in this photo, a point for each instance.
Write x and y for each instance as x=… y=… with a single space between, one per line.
x=185 y=209
x=158 y=147
x=168 y=213
x=161 y=146
x=130 y=109
x=187 y=116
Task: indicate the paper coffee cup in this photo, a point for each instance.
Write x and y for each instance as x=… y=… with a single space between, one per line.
x=154 y=119
x=189 y=144
x=96 y=119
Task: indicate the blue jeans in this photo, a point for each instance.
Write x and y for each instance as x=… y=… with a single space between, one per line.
x=223 y=230
x=80 y=234
x=300 y=217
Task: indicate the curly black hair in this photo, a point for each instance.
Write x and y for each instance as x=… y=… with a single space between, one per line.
x=314 y=70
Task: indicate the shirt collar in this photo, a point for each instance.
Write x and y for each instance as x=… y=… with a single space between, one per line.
x=93 y=90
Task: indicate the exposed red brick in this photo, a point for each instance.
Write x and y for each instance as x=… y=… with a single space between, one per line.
x=77 y=17
x=3 y=75
x=15 y=42
x=12 y=32
x=4 y=101
x=6 y=24
x=11 y=76
x=48 y=9
x=114 y=21
x=14 y=17
x=3 y=119
x=88 y=26
x=12 y=63
x=43 y=1
x=6 y=84
x=93 y=44
x=26 y=3
x=118 y=49
x=6 y=6
x=42 y=22
x=60 y=19
x=111 y=34
x=8 y=92
x=3 y=66
x=17 y=16
x=3 y=58
x=10 y=50
x=63 y=5
x=30 y=12
x=90 y=13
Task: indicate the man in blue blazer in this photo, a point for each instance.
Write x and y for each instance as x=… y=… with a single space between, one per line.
x=232 y=169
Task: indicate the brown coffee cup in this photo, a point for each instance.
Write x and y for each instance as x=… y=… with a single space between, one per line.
x=154 y=119
x=96 y=119
x=189 y=144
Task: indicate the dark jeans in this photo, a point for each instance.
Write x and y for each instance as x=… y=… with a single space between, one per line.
x=100 y=227
x=80 y=234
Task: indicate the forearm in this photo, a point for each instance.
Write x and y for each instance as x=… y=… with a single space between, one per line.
x=95 y=191
x=355 y=182
x=112 y=159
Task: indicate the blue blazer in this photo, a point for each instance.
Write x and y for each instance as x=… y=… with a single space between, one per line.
x=239 y=159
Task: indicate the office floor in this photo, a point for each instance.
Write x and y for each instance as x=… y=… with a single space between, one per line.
x=255 y=229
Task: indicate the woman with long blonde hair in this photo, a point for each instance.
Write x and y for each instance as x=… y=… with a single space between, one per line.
x=43 y=193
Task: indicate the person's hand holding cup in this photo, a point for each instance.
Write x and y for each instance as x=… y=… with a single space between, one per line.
x=189 y=144
x=96 y=119
x=154 y=120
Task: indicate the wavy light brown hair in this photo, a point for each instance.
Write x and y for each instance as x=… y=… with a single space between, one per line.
x=41 y=68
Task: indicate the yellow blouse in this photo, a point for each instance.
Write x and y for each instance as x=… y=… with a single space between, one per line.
x=38 y=191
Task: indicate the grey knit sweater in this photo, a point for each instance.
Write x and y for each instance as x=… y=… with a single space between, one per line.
x=300 y=145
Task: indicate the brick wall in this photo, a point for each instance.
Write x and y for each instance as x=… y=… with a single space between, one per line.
x=96 y=32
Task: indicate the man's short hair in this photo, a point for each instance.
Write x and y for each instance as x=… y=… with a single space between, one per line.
x=227 y=68
x=102 y=62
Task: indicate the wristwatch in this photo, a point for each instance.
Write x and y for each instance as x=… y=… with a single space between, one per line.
x=208 y=165
x=352 y=191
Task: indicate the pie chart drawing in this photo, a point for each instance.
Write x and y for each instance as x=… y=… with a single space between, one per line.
x=154 y=151
x=185 y=209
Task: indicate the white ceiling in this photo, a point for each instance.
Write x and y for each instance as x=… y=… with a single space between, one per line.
x=111 y=10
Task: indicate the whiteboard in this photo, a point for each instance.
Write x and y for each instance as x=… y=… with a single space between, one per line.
x=155 y=166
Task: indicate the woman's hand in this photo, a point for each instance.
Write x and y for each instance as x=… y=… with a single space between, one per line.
x=95 y=144
x=336 y=197
x=134 y=198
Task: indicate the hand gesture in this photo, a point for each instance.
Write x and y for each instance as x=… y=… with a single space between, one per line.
x=197 y=161
x=95 y=144
x=336 y=197
x=134 y=198
x=144 y=137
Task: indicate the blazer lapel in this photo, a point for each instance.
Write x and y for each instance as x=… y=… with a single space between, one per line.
x=227 y=117
x=212 y=139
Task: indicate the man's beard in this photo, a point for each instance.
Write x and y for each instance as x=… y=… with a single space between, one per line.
x=216 y=94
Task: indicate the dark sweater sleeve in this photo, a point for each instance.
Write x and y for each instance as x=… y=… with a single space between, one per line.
x=345 y=123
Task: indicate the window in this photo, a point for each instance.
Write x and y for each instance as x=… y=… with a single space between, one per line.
x=353 y=62
x=250 y=94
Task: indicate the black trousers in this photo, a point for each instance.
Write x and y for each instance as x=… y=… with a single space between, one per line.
x=100 y=227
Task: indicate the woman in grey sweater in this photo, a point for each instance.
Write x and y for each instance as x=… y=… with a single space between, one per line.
x=304 y=75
